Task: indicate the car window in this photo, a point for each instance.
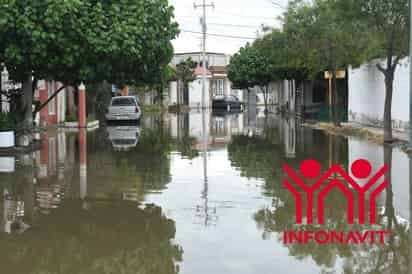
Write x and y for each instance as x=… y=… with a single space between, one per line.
x=123 y=102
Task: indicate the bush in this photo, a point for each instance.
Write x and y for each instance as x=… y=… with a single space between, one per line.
x=71 y=118
x=152 y=108
x=6 y=121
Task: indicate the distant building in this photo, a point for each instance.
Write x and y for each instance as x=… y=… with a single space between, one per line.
x=217 y=81
x=55 y=111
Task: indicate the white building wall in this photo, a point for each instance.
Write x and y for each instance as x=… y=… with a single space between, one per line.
x=239 y=94
x=367 y=95
x=61 y=105
x=173 y=125
x=173 y=93
x=400 y=171
x=196 y=124
x=195 y=93
x=281 y=94
x=213 y=59
x=5 y=106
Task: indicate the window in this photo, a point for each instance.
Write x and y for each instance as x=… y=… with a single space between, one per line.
x=219 y=87
x=123 y=102
x=52 y=103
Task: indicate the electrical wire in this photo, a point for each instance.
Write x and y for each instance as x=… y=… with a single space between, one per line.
x=221 y=35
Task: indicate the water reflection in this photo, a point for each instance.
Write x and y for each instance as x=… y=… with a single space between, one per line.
x=128 y=199
x=71 y=240
x=260 y=157
x=123 y=137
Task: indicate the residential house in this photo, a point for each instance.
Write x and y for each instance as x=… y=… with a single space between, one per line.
x=217 y=81
x=308 y=98
x=55 y=111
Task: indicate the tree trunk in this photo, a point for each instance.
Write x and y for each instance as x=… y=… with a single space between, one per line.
x=93 y=105
x=178 y=93
x=389 y=208
x=387 y=116
x=27 y=102
x=185 y=94
x=335 y=100
x=160 y=94
x=265 y=98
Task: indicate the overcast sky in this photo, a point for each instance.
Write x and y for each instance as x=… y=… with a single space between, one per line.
x=240 y=18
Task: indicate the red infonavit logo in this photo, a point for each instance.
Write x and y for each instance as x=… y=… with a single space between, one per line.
x=310 y=181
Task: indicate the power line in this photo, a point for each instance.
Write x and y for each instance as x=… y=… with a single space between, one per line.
x=257 y=26
x=246 y=16
x=231 y=14
x=235 y=25
x=278 y=5
x=221 y=35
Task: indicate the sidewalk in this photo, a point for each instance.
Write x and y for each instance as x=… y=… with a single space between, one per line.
x=399 y=135
x=367 y=133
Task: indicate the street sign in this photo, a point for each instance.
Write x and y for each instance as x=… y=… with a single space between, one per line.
x=340 y=74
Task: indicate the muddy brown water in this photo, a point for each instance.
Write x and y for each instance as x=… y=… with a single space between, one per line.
x=189 y=194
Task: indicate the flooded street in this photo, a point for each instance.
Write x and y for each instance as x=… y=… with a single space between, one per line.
x=148 y=199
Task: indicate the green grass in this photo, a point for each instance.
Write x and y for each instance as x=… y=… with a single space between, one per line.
x=153 y=108
x=74 y=118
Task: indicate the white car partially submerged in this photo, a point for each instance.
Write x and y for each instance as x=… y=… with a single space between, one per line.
x=123 y=108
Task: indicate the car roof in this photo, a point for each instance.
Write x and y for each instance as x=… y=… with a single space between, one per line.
x=124 y=97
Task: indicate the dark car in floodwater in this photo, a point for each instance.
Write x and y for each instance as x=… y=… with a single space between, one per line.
x=228 y=103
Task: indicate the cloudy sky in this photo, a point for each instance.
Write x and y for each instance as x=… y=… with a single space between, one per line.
x=240 y=19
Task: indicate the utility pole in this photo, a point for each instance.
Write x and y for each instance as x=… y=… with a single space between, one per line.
x=205 y=135
x=204 y=29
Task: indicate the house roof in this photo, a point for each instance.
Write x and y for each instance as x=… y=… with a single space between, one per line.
x=199 y=71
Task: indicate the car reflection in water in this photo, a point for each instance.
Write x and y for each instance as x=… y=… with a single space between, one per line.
x=228 y=103
x=124 y=137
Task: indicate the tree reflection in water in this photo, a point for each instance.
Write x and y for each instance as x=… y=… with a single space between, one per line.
x=261 y=157
x=105 y=231
x=111 y=237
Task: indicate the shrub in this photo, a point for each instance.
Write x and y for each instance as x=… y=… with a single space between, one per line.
x=71 y=118
x=6 y=121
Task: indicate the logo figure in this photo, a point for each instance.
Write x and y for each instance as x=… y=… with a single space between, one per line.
x=310 y=170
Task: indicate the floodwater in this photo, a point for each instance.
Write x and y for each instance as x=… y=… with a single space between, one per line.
x=190 y=193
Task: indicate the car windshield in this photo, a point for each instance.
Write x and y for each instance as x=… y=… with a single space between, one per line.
x=123 y=102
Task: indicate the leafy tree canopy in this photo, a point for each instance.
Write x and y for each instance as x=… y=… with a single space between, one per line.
x=250 y=67
x=184 y=70
x=320 y=38
x=123 y=42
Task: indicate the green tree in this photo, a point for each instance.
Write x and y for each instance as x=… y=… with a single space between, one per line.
x=185 y=75
x=166 y=75
x=324 y=40
x=250 y=67
x=122 y=42
x=389 y=22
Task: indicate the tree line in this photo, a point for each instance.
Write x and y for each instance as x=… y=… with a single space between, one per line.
x=122 y=42
x=328 y=35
